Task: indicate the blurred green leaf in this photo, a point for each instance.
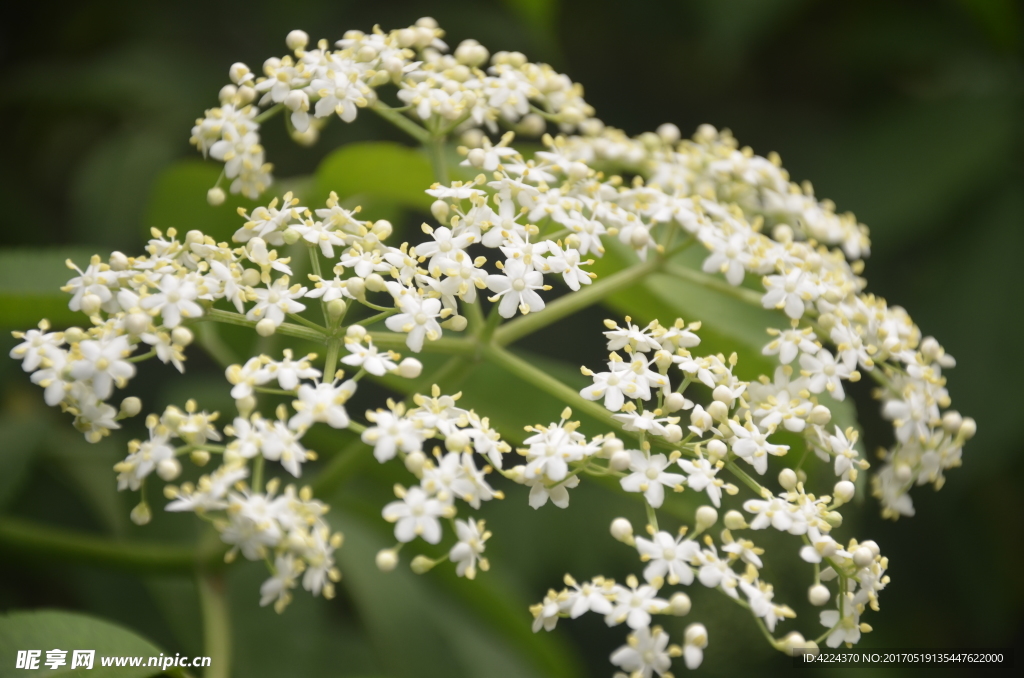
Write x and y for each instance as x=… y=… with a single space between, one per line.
x=19 y=434
x=385 y=171
x=47 y=630
x=178 y=200
x=30 y=282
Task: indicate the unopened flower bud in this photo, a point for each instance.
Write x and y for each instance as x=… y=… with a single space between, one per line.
x=477 y=157
x=679 y=604
x=472 y=138
x=718 y=410
x=456 y=442
x=622 y=530
x=968 y=428
x=844 y=491
x=700 y=419
x=336 y=309
x=787 y=478
x=619 y=461
x=456 y=323
x=414 y=462
x=200 y=457
x=296 y=40
x=356 y=332
x=387 y=560
x=356 y=287
x=669 y=133
x=130 y=407
x=673 y=433
x=227 y=94
x=238 y=72
x=245 y=94
x=471 y=53
x=903 y=472
x=291 y=236
x=819 y=415
x=862 y=556
x=118 y=261
x=421 y=565
x=734 y=520
x=168 y=469
x=245 y=406
x=440 y=210
x=674 y=402
x=73 y=335
x=794 y=644
x=870 y=545
x=141 y=514
x=952 y=421
x=410 y=368
x=532 y=125
x=215 y=196
x=266 y=327
x=609 y=447
x=137 y=323
x=716 y=450
x=375 y=283
x=91 y=304
x=182 y=336
x=706 y=517
x=818 y=594
x=696 y=635
x=251 y=277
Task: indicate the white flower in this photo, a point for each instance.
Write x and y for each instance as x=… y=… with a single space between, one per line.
x=667 y=556
x=517 y=289
x=824 y=373
x=275 y=301
x=367 y=357
x=760 y=595
x=634 y=337
x=416 y=515
x=392 y=432
x=567 y=263
x=751 y=444
x=615 y=385
x=787 y=344
x=695 y=639
x=635 y=604
x=701 y=476
x=91 y=286
x=646 y=421
x=790 y=292
x=715 y=571
x=289 y=371
x=467 y=550
x=35 y=346
x=845 y=628
x=418 y=319
x=778 y=513
x=174 y=301
x=103 y=361
x=246 y=377
x=648 y=476
x=146 y=457
x=318 y=233
x=322 y=402
x=552 y=449
x=281 y=443
x=645 y=653
x=557 y=493
x=277 y=589
x=443 y=249
x=588 y=597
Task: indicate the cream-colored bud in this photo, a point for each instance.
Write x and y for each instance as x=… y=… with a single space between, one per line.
x=297 y=100
x=137 y=323
x=675 y=402
x=734 y=520
x=669 y=133
x=245 y=94
x=168 y=469
x=251 y=277
x=375 y=283
x=266 y=327
x=456 y=323
x=862 y=556
x=622 y=530
x=818 y=594
x=356 y=332
x=414 y=462
x=679 y=604
x=844 y=491
x=73 y=335
x=723 y=394
x=706 y=517
x=200 y=457
x=903 y=472
x=245 y=406
x=440 y=210
x=639 y=238
x=795 y=644
x=951 y=422
x=701 y=419
x=130 y=407
x=696 y=635
x=819 y=415
x=716 y=450
x=296 y=39
x=238 y=72
x=477 y=157
x=673 y=433
x=182 y=336
x=215 y=196
x=787 y=478
x=227 y=94
x=307 y=138
x=291 y=236
x=410 y=368
x=591 y=127
x=118 y=261
x=387 y=560
x=718 y=410
x=619 y=461
x=870 y=545
x=472 y=138
x=91 y=304
x=336 y=309
x=421 y=565
x=968 y=428
x=471 y=53
x=609 y=447
x=356 y=287
x=141 y=514
x=783 y=233
x=532 y=125
x=457 y=442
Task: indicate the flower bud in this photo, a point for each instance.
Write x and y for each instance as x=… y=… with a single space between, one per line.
x=251 y=277
x=73 y=335
x=696 y=635
x=410 y=368
x=306 y=138
x=356 y=287
x=356 y=332
x=141 y=514
x=609 y=447
x=716 y=450
x=246 y=94
x=718 y=410
x=679 y=604
x=622 y=530
x=168 y=469
x=91 y=304
x=182 y=336
x=422 y=564
x=137 y=323
x=862 y=556
x=794 y=644
x=706 y=517
x=375 y=283
x=472 y=138
x=215 y=196
x=291 y=236
x=336 y=309
x=414 y=462
x=968 y=428
x=673 y=433
x=471 y=53
x=387 y=560
x=734 y=520
x=200 y=457
x=118 y=261
x=787 y=478
x=245 y=406
x=591 y=127
x=456 y=323
x=675 y=402
x=130 y=407
x=266 y=327
x=844 y=491
x=532 y=125
x=669 y=133
x=619 y=461
x=663 y=359
x=870 y=545
x=440 y=210
x=903 y=472
x=456 y=442
x=639 y=238
x=700 y=419
x=477 y=157
x=227 y=94
x=783 y=233
x=818 y=595
x=819 y=415
x=296 y=40
x=952 y=421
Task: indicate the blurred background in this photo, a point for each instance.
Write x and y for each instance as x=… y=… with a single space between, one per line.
x=907 y=113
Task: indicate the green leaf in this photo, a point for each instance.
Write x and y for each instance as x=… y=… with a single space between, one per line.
x=381 y=171
x=30 y=282
x=20 y=434
x=51 y=629
x=178 y=200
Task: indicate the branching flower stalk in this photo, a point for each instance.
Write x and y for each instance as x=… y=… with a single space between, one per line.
x=512 y=227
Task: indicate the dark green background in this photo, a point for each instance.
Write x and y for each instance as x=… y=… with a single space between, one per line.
x=907 y=113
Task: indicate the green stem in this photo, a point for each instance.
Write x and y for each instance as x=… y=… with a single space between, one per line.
x=573 y=302
x=331 y=361
x=142 y=356
x=38 y=540
x=652 y=515
x=709 y=282
x=216 y=625
x=746 y=479
x=287 y=329
x=401 y=122
x=257 y=473
x=269 y=113
x=435 y=150
x=309 y=323
x=314 y=260
x=366 y=322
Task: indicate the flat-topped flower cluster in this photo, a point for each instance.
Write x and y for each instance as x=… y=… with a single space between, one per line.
x=509 y=229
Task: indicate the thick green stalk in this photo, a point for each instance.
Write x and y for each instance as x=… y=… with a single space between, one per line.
x=38 y=540
x=216 y=625
x=287 y=329
x=401 y=122
x=576 y=301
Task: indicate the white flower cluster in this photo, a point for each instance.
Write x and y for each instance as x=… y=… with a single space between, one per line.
x=735 y=426
x=441 y=90
x=449 y=475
